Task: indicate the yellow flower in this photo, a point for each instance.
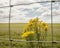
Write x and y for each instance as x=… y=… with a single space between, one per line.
x=36 y=19
x=39 y=24
x=46 y=28
x=30 y=24
x=26 y=34
x=30 y=21
x=33 y=21
x=31 y=32
x=43 y=23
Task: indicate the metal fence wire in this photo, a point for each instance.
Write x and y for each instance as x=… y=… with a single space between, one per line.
x=10 y=6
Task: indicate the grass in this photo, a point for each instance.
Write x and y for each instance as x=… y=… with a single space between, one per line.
x=17 y=28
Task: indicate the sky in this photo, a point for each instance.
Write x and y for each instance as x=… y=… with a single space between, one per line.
x=23 y=13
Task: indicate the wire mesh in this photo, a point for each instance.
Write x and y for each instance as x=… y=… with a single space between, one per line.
x=10 y=6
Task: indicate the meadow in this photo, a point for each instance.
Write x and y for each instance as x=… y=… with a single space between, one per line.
x=16 y=30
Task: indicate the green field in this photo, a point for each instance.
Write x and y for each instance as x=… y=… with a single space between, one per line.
x=16 y=30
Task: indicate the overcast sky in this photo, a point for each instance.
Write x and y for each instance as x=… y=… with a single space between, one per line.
x=23 y=13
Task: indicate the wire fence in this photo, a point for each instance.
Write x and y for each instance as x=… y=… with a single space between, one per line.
x=10 y=6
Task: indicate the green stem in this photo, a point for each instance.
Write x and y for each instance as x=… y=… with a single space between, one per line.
x=37 y=35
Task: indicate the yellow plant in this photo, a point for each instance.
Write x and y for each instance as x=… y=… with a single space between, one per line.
x=46 y=27
x=26 y=34
x=36 y=28
x=43 y=23
x=30 y=21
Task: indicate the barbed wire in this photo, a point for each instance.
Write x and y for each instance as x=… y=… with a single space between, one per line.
x=19 y=40
x=27 y=3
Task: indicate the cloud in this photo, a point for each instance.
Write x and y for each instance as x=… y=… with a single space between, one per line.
x=28 y=1
x=4 y=3
x=22 y=14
